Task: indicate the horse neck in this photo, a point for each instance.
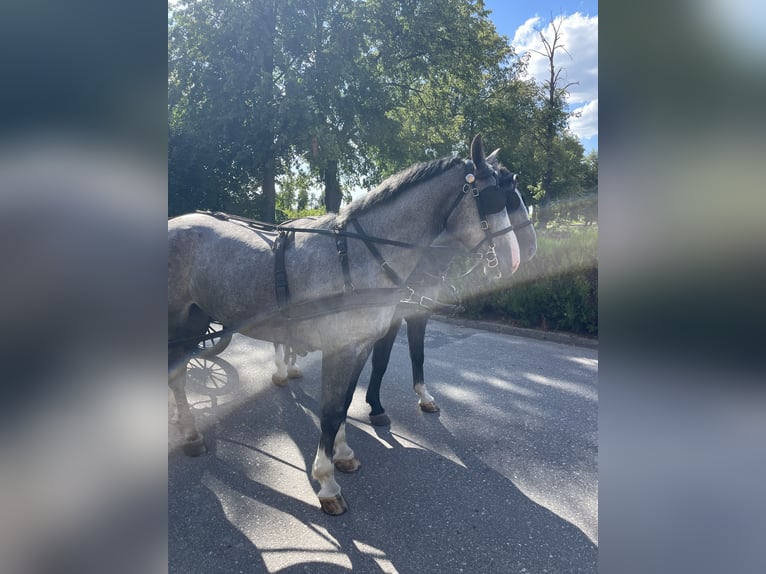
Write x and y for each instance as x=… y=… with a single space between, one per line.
x=413 y=216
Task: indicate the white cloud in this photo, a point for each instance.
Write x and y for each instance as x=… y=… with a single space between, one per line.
x=579 y=36
x=585 y=126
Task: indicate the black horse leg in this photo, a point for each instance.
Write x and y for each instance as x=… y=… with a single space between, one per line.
x=381 y=353
x=340 y=373
x=416 y=336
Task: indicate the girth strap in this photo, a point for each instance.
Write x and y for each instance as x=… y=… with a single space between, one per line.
x=280 y=270
x=342 y=245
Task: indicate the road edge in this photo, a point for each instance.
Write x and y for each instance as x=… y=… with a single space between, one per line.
x=553 y=336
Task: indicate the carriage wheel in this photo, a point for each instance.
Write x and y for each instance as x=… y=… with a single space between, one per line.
x=214 y=346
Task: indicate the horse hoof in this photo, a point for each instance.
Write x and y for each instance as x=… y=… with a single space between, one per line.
x=195 y=447
x=279 y=381
x=294 y=373
x=333 y=505
x=380 y=420
x=429 y=407
x=348 y=465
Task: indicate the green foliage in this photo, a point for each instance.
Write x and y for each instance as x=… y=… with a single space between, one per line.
x=352 y=89
x=557 y=290
x=312 y=95
x=289 y=214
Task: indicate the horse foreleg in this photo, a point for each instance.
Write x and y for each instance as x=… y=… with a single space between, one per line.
x=381 y=353
x=340 y=373
x=416 y=336
x=194 y=444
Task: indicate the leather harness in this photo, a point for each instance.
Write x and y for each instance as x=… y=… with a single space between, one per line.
x=489 y=200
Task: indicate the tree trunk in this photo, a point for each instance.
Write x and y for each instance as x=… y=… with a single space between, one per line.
x=332 y=193
x=269 y=191
x=268 y=170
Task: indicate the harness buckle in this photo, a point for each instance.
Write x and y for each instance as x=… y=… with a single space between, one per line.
x=423 y=299
x=475 y=191
x=484 y=224
x=492 y=260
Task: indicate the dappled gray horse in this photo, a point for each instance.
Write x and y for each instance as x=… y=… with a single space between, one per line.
x=427 y=280
x=298 y=289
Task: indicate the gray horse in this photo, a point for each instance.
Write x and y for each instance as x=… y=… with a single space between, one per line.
x=427 y=280
x=315 y=300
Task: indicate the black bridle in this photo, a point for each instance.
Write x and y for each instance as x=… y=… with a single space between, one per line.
x=489 y=200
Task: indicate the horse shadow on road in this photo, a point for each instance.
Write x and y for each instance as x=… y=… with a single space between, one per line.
x=250 y=506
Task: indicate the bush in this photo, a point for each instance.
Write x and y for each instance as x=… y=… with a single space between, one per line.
x=557 y=290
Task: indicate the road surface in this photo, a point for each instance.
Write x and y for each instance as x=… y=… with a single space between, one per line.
x=502 y=480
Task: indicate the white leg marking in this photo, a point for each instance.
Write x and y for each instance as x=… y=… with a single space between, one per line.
x=422 y=392
x=292 y=371
x=279 y=361
x=342 y=450
x=323 y=470
x=172 y=408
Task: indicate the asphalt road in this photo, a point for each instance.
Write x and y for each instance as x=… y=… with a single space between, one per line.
x=502 y=480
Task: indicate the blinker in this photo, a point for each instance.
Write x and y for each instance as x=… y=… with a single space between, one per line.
x=491 y=199
x=512 y=201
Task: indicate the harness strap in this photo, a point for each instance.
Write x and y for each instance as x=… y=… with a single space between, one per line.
x=313 y=309
x=342 y=245
x=351 y=300
x=280 y=271
x=491 y=235
x=390 y=273
x=275 y=228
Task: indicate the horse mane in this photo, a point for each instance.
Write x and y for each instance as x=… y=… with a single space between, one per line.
x=397 y=183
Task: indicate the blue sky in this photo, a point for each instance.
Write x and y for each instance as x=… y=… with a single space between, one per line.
x=519 y=20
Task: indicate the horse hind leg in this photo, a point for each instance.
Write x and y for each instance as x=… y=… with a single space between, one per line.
x=284 y=360
x=195 y=322
x=279 y=378
x=293 y=372
x=194 y=443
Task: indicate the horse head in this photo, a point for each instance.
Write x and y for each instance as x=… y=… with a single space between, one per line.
x=517 y=210
x=479 y=218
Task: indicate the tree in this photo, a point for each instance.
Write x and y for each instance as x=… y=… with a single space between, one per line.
x=552 y=113
x=225 y=64
x=346 y=91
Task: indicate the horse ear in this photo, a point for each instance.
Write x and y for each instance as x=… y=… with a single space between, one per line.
x=477 y=152
x=492 y=158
